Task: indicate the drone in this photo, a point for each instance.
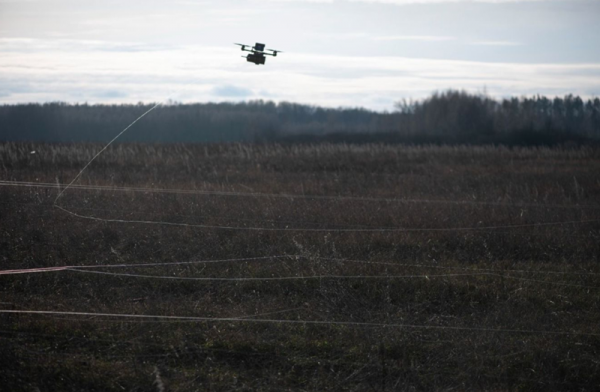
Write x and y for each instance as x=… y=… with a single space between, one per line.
x=257 y=53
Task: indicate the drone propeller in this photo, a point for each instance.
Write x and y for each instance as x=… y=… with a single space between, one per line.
x=274 y=52
x=258 y=52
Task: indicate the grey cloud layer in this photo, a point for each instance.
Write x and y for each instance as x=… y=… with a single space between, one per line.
x=342 y=52
x=43 y=70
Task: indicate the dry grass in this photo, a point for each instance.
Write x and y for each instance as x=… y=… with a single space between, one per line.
x=499 y=187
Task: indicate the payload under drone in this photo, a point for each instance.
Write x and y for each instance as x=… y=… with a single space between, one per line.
x=258 y=53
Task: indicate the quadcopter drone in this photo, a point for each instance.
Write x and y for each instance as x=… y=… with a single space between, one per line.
x=257 y=53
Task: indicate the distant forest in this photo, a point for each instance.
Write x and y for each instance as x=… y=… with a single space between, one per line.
x=450 y=117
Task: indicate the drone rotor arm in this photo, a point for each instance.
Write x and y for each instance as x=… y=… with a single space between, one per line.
x=257 y=52
x=243 y=47
x=274 y=52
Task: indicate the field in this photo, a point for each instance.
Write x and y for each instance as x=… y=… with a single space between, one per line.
x=299 y=268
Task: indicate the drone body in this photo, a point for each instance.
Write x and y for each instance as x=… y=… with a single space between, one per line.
x=258 y=53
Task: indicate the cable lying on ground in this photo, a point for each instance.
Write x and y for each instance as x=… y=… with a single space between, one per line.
x=297 y=322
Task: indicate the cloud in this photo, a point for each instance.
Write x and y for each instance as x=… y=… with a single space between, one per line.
x=231 y=91
x=193 y=2
x=110 y=94
x=409 y=2
x=76 y=45
x=40 y=73
x=402 y=2
x=496 y=43
x=431 y=38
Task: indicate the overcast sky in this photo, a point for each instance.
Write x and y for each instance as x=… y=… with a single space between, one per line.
x=347 y=53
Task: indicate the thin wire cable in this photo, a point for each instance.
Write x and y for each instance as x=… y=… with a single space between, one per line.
x=326 y=230
x=74 y=267
x=277 y=278
x=300 y=322
x=323 y=277
x=270 y=313
x=32 y=270
x=285 y=195
x=176 y=263
x=235 y=219
x=459 y=268
x=102 y=150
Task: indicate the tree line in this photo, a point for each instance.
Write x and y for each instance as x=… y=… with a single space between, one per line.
x=446 y=117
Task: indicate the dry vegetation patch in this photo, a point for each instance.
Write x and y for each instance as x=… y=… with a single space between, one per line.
x=341 y=267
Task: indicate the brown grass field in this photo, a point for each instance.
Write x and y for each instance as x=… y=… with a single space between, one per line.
x=378 y=268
